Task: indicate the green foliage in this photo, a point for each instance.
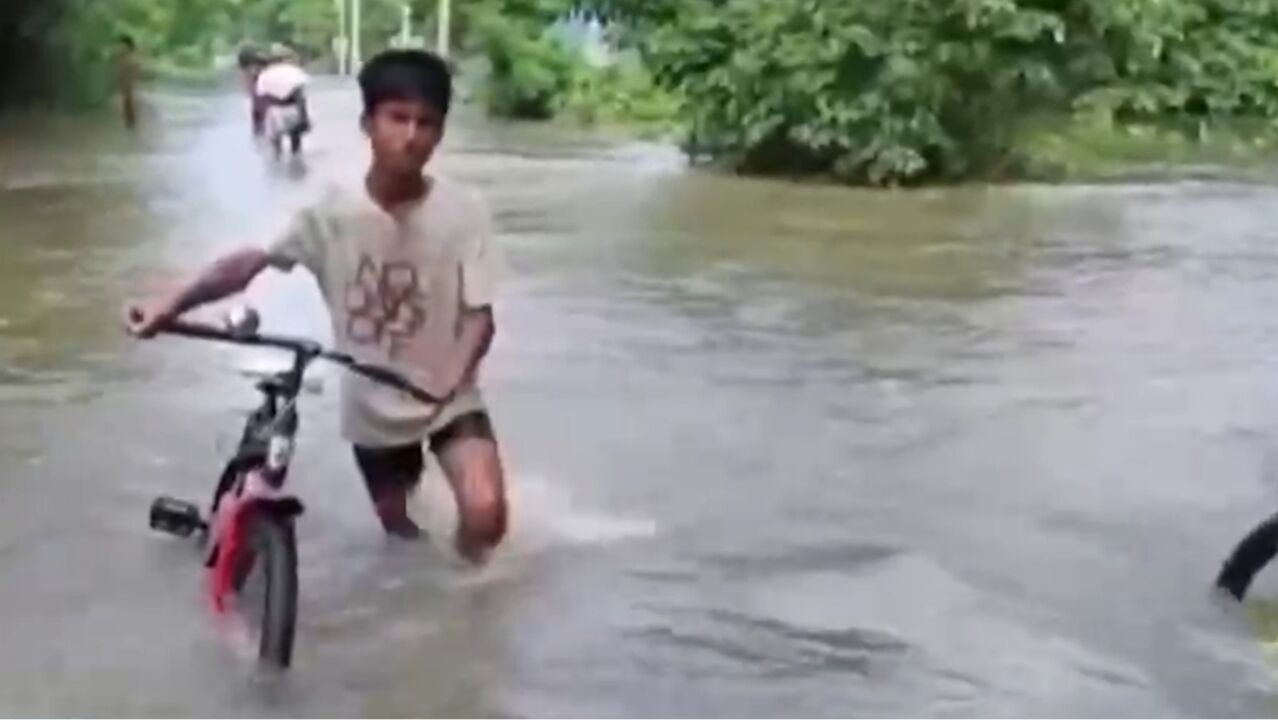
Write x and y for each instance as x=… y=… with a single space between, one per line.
x=867 y=91
x=307 y=25
x=622 y=94
x=72 y=42
x=913 y=90
x=54 y=42
x=533 y=75
x=1083 y=147
x=529 y=75
x=1202 y=61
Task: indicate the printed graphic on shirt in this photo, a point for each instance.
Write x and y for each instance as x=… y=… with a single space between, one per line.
x=385 y=305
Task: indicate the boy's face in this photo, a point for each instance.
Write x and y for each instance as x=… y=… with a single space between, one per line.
x=404 y=134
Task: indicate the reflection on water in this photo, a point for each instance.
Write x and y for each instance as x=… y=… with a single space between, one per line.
x=775 y=448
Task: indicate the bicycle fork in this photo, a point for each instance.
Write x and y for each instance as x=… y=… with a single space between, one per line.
x=256 y=495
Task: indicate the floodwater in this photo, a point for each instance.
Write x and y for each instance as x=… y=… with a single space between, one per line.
x=774 y=449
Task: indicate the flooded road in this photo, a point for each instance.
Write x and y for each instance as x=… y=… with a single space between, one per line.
x=774 y=449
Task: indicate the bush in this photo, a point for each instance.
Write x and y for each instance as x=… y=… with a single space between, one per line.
x=869 y=92
x=914 y=90
x=529 y=72
x=623 y=93
x=528 y=78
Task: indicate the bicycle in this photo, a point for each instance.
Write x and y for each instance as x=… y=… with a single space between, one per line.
x=250 y=521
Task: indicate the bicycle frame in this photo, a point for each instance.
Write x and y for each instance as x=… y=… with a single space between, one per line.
x=250 y=518
x=265 y=449
x=269 y=431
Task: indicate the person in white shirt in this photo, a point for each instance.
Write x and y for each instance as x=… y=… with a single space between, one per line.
x=280 y=89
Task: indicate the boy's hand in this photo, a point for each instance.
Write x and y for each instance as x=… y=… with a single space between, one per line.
x=144 y=320
x=444 y=384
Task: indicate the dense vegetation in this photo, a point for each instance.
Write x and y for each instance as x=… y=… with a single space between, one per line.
x=914 y=90
x=61 y=50
x=865 y=91
x=535 y=72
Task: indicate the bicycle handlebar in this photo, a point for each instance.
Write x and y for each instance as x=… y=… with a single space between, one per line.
x=308 y=349
x=383 y=375
x=210 y=332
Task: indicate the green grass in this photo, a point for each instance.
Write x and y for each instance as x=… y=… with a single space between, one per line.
x=169 y=74
x=1262 y=613
x=1082 y=149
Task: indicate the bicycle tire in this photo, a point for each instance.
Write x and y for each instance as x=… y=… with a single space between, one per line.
x=1249 y=556
x=274 y=551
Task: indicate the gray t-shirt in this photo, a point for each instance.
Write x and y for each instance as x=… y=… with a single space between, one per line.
x=395 y=289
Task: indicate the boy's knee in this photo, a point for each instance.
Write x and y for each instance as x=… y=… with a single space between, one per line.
x=485 y=520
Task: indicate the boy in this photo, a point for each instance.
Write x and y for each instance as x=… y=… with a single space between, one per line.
x=127 y=71
x=407 y=267
x=251 y=63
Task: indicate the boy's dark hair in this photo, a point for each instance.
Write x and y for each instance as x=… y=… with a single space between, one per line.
x=406 y=75
x=127 y=41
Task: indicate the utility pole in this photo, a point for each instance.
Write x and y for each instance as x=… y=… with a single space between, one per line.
x=343 y=41
x=357 y=55
x=405 y=24
x=443 y=20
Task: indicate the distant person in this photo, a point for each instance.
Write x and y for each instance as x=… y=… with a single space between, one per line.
x=251 y=63
x=408 y=267
x=127 y=74
x=281 y=92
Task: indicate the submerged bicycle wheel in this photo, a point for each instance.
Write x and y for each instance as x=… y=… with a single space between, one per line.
x=266 y=587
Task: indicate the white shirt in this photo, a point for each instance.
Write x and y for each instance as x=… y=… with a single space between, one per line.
x=395 y=289
x=280 y=80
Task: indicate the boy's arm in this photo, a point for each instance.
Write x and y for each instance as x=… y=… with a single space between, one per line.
x=300 y=243
x=224 y=277
x=477 y=330
x=479 y=272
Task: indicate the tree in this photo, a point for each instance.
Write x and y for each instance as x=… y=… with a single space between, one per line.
x=910 y=90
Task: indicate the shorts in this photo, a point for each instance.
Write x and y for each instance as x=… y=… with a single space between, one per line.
x=401 y=466
x=282 y=120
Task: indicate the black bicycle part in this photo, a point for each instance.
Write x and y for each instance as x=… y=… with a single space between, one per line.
x=1251 y=554
x=304 y=352
x=271 y=551
x=255 y=439
x=176 y=517
x=251 y=455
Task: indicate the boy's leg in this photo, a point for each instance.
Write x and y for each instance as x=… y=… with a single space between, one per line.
x=258 y=111
x=467 y=451
x=390 y=473
x=306 y=114
x=298 y=127
x=129 y=107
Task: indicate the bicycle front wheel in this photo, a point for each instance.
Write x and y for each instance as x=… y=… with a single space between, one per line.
x=266 y=585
